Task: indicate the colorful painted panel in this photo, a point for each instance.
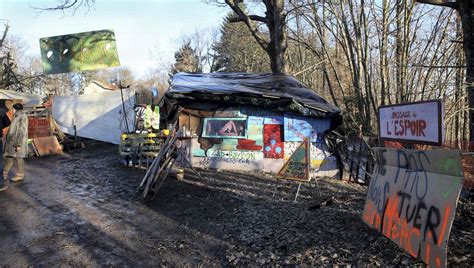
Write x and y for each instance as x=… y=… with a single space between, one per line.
x=255 y=130
x=274 y=120
x=272 y=141
x=297 y=128
x=297 y=167
x=225 y=128
x=412 y=200
x=255 y=120
x=79 y=52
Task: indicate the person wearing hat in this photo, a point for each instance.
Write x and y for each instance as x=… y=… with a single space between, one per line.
x=16 y=143
x=4 y=122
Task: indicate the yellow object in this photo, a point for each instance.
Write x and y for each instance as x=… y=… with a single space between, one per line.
x=138 y=135
x=166 y=132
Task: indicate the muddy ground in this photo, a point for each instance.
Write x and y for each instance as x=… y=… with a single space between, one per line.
x=82 y=208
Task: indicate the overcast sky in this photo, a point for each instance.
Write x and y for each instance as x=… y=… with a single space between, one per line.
x=141 y=26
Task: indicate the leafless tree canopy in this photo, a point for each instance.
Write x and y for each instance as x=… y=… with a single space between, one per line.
x=358 y=54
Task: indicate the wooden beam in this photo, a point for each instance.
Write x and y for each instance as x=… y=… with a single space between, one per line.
x=444 y=3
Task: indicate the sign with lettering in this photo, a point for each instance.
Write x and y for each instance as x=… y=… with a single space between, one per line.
x=298 y=165
x=416 y=122
x=79 y=52
x=412 y=200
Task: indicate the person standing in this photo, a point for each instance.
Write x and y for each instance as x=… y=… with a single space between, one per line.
x=16 y=143
x=4 y=122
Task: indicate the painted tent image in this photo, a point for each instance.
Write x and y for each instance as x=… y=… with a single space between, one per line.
x=250 y=122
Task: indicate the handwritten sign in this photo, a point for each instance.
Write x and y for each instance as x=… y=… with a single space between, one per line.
x=416 y=122
x=412 y=200
x=79 y=52
x=298 y=165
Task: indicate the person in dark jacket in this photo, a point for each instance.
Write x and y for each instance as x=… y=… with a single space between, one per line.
x=16 y=143
x=4 y=122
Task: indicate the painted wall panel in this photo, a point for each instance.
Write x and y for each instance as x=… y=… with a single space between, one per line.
x=255 y=120
x=250 y=153
x=255 y=129
x=297 y=128
x=274 y=120
x=273 y=146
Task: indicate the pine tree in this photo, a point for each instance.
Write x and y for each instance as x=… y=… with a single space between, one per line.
x=186 y=60
x=238 y=51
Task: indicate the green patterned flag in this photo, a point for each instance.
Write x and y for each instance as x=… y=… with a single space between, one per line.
x=79 y=52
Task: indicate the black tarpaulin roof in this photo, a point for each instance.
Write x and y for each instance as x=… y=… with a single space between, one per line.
x=277 y=92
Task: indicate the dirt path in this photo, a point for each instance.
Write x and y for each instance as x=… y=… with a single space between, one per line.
x=83 y=209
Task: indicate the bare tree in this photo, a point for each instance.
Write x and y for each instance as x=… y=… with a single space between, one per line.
x=18 y=71
x=466 y=12
x=276 y=43
x=369 y=48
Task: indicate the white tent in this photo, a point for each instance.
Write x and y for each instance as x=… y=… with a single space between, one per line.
x=99 y=116
x=28 y=99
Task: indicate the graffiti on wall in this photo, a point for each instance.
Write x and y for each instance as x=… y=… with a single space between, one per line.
x=183 y=153
x=79 y=52
x=264 y=136
x=297 y=128
x=233 y=157
x=274 y=147
x=412 y=200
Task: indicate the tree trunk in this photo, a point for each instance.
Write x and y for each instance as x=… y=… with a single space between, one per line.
x=467 y=16
x=278 y=44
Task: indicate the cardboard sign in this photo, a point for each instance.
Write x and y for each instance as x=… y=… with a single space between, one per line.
x=412 y=200
x=297 y=167
x=79 y=52
x=416 y=122
x=38 y=127
x=47 y=146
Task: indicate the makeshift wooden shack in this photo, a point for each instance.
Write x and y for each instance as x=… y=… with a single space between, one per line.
x=249 y=122
x=42 y=129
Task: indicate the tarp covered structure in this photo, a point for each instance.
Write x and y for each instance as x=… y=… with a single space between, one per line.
x=277 y=92
x=28 y=98
x=98 y=116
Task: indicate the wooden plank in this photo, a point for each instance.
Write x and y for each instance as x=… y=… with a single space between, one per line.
x=47 y=146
